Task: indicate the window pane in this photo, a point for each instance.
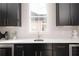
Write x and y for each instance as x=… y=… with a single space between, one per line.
x=38 y=14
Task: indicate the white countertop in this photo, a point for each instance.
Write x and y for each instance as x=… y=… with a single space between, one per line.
x=45 y=41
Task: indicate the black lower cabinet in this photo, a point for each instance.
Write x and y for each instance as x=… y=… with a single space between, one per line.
x=18 y=50
x=29 y=50
x=61 y=49
x=47 y=52
x=41 y=49
x=47 y=49
x=33 y=49
x=5 y=52
x=23 y=50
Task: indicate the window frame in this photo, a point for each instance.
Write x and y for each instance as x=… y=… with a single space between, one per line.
x=41 y=32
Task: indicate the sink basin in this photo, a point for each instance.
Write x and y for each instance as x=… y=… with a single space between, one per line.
x=38 y=40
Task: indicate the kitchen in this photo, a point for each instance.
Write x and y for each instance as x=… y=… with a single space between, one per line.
x=57 y=40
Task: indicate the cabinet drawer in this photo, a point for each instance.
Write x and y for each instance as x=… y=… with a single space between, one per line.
x=47 y=52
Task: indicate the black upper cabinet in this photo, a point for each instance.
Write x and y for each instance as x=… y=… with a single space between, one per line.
x=10 y=14
x=1 y=21
x=13 y=14
x=3 y=14
x=0 y=15
x=63 y=14
x=75 y=13
x=67 y=14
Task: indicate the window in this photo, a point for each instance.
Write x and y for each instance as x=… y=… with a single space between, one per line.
x=38 y=17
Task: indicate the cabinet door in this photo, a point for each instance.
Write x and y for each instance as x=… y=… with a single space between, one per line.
x=0 y=14
x=46 y=49
x=24 y=50
x=5 y=52
x=75 y=14
x=37 y=49
x=61 y=49
x=18 y=50
x=46 y=52
x=63 y=14
x=29 y=50
x=13 y=15
x=3 y=14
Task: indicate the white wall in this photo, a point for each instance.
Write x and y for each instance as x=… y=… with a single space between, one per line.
x=56 y=31
x=53 y=30
x=23 y=32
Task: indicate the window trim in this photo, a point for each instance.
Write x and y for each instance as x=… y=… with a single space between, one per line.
x=41 y=32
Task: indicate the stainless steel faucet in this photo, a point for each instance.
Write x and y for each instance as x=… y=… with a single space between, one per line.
x=38 y=37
